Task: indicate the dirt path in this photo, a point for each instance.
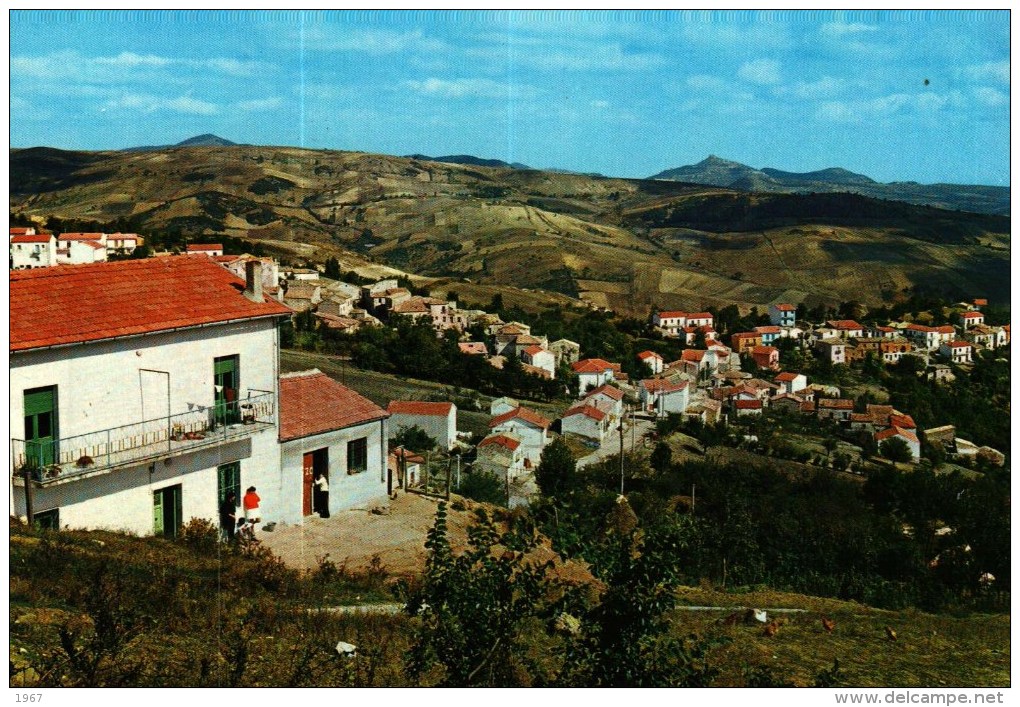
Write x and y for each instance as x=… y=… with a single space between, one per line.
x=354 y=537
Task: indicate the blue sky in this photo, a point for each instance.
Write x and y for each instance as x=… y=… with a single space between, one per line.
x=624 y=94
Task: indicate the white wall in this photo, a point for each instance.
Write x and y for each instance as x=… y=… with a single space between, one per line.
x=584 y=426
x=442 y=429
x=21 y=255
x=346 y=491
x=99 y=387
x=533 y=439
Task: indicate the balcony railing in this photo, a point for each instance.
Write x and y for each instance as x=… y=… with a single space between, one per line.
x=71 y=457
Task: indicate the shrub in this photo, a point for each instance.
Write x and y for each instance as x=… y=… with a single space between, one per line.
x=200 y=535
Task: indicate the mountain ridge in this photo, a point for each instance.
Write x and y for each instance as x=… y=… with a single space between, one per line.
x=716 y=171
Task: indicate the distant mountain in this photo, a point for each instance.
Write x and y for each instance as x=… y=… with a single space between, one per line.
x=470 y=160
x=206 y=140
x=716 y=171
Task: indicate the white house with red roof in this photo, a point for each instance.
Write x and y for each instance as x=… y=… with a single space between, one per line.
x=32 y=250
x=328 y=429
x=141 y=392
x=769 y=333
x=907 y=435
x=535 y=355
x=501 y=455
x=791 y=382
x=766 y=357
x=846 y=328
x=210 y=249
x=670 y=322
x=783 y=314
x=653 y=360
x=528 y=425
x=592 y=372
x=609 y=396
x=956 y=351
x=969 y=319
x=437 y=420
x=587 y=420
x=80 y=248
x=664 y=395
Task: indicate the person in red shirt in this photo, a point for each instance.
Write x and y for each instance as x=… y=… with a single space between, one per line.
x=251 y=505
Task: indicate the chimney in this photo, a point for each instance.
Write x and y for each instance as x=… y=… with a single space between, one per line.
x=253 y=280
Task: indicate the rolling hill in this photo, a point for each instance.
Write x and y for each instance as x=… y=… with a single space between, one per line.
x=714 y=171
x=624 y=244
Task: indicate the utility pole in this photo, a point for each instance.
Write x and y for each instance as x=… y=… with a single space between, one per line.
x=621 y=455
x=449 y=475
x=458 y=472
x=27 y=473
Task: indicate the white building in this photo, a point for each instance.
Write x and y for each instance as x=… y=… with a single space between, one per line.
x=791 y=382
x=80 y=248
x=608 y=398
x=437 y=420
x=587 y=420
x=530 y=427
x=538 y=357
x=210 y=249
x=956 y=351
x=653 y=360
x=328 y=429
x=33 y=250
x=908 y=436
x=664 y=395
x=591 y=373
x=502 y=456
x=832 y=349
x=502 y=405
x=141 y=393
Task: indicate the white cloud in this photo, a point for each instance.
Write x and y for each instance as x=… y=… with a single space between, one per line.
x=760 y=71
x=991 y=96
x=71 y=65
x=130 y=59
x=600 y=104
x=842 y=29
x=704 y=82
x=994 y=70
x=342 y=38
x=858 y=111
x=260 y=104
x=148 y=103
x=822 y=88
x=469 y=88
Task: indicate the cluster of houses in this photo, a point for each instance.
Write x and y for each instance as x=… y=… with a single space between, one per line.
x=31 y=248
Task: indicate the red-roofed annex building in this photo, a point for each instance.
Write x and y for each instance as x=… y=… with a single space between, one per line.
x=142 y=391
x=329 y=429
x=437 y=420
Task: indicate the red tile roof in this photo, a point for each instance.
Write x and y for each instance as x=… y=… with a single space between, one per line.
x=692 y=355
x=95 y=245
x=768 y=329
x=746 y=335
x=524 y=414
x=699 y=315
x=844 y=324
x=76 y=304
x=673 y=314
x=959 y=344
x=203 y=247
x=903 y=421
x=648 y=354
x=20 y=230
x=786 y=307
x=980 y=302
x=895 y=432
x=37 y=238
x=662 y=385
x=414 y=407
x=591 y=365
x=747 y=404
x=786 y=377
x=312 y=403
x=501 y=440
x=532 y=350
x=836 y=404
x=972 y=315
x=763 y=350
x=586 y=410
x=607 y=390
x=921 y=327
x=946 y=329
x=472 y=347
x=80 y=237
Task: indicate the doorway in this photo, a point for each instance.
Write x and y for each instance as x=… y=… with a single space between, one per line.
x=40 y=425
x=312 y=463
x=166 y=511
x=225 y=383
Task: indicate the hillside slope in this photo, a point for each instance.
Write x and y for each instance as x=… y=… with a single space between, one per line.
x=624 y=244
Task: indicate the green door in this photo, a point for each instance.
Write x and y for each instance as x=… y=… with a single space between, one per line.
x=226 y=380
x=166 y=511
x=40 y=425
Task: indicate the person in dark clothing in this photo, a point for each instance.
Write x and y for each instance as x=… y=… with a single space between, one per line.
x=228 y=516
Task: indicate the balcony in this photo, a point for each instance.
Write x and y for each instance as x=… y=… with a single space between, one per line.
x=70 y=458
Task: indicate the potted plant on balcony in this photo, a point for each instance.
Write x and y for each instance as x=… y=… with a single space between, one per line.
x=32 y=469
x=177 y=434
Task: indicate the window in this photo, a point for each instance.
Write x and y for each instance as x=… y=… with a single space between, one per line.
x=47 y=520
x=228 y=481
x=357 y=456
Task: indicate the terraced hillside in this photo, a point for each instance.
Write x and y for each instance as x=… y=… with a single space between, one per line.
x=624 y=244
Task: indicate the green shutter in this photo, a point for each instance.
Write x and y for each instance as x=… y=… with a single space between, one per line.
x=39 y=400
x=157 y=512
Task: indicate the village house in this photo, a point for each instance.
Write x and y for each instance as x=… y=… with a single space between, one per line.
x=379 y=299
x=501 y=455
x=846 y=328
x=127 y=243
x=303 y=274
x=210 y=249
x=790 y=382
x=836 y=409
x=956 y=351
x=833 y=350
x=664 y=395
x=529 y=426
x=404 y=466
x=587 y=420
x=437 y=420
x=787 y=402
x=744 y=408
x=883 y=332
x=769 y=334
x=892 y=349
x=566 y=351
x=783 y=315
x=670 y=323
x=592 y=372
x=347 y=325
x=742 y=342
x=653 y=360
x=502 y=405
x=238 y=264
x=178 y=407
x=982 y=335
x=979 y=302
x=908 y=436
x=473 y=348
x=336 y=305
x=610 y=397
x=929 y=338
x=32 y=250
x=969 y=319
x=80 y=248
x=328 y=429
x=301 y=296
x=766 y=357
x=1003 y=337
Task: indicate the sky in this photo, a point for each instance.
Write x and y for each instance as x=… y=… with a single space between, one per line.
x=899 y=96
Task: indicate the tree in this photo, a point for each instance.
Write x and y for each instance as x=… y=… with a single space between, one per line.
x=895 y=449
x=414 y=438
x=484 y=487
x=332 y=269
x=557 y=469
x=662 y=457
x=474 y=608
